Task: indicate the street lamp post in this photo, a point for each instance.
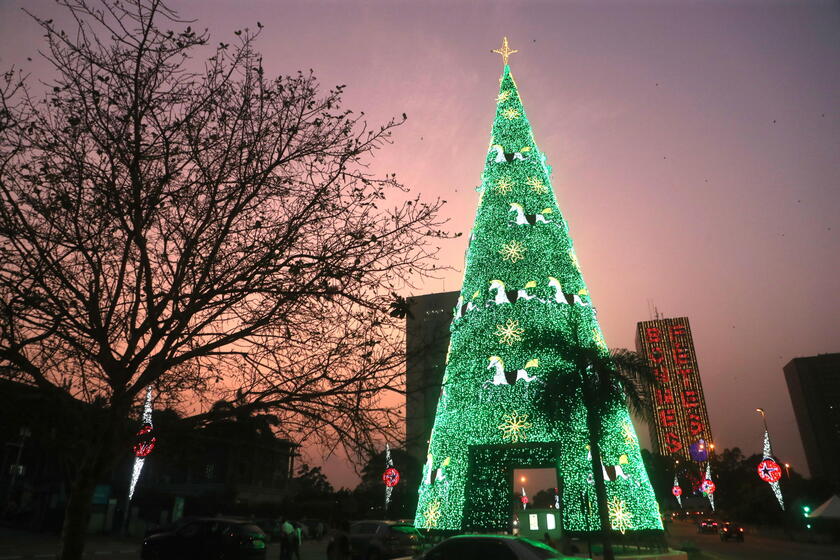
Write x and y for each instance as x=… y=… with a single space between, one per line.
x=763 y=417
x=787 y=470
x=764 y=421
x=771 y=477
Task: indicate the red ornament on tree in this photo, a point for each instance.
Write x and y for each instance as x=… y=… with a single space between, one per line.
x=676 y=491
x=769 y=471
x=391 y=477
x=707 y=486
x=145 y=441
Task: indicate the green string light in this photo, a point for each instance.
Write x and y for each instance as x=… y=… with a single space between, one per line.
x=526 y=292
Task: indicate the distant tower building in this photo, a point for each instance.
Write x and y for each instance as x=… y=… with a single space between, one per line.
x=681 y=424
x=814 y=386
x=426 y=341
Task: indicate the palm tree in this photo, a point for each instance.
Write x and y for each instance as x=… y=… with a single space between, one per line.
x=604 y=380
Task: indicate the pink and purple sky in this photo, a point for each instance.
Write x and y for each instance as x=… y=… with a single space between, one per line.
x=695 y=148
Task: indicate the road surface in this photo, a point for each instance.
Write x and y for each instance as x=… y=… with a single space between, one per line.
x=753 y=548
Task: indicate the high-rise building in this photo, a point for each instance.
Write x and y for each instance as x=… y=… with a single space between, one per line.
x=681 y=422
x=426 y=341
x=814 y=386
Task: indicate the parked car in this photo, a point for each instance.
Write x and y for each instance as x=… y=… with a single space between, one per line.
x=491 y=547
x=730 y=530
x=207 y=538
x=380 y=540
x=707 y=525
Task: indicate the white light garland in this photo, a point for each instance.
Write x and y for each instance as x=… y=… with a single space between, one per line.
x=710 y=495
x=138 y=461
x=677 y=485
x=768 y=454
x=388 y=464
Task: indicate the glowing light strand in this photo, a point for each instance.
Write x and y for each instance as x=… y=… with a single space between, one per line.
x=677 y=491
x=389 y=463
x=710 y=494
x=768 y=454
x=138 y=461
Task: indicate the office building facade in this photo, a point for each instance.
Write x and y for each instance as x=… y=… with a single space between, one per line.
x=680 y=427
x=814 y=387
x=427 y=341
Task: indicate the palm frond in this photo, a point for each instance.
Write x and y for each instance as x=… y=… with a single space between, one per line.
x=632 y=371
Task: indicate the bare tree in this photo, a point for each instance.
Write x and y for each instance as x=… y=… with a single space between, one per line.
x=201 y=227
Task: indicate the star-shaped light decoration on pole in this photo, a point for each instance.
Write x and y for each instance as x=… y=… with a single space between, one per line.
x=768 y=470
x=677 y=491
x=390 y=477
x=505 y=51
x=708 y=487
x=145 y=444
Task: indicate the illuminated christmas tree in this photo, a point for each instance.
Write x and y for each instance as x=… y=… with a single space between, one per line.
x=522 y=302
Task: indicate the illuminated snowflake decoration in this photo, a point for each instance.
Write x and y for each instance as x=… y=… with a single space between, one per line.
x=432 y=514
x=599 y=338
x=629 y=436
x=536 y=185
x=504 y=185
x=620 y=517
x=574 y=258
x=504 y=96
x=513 y=426
x=510 y=113
x=514 y=251
x=509 y=333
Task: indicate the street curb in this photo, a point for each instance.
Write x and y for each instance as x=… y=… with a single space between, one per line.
x=85 y=555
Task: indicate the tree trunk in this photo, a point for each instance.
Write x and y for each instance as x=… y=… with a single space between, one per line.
x=99 y=459
x=593 y=423
x=77 y=514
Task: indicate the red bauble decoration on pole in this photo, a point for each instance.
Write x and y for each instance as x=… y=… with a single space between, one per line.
x=145 y=441
x=391 y=477
x=707 y=486
x=676 y=491
x=769 y=471
x=524 y=499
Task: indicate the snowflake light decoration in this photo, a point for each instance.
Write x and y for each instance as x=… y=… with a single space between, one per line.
x=504 y=96
x=504 y=185
x=620 y=517
x=574 y=258
x=629 y=436
x=432 y=513
x=536 y=185
x=513 y=426
x=509 y=332
x=599 y=338
x=510 y=113
x=513 y=251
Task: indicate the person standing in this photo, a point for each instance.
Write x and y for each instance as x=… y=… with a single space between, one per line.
x=287 y=533
x=296 y=539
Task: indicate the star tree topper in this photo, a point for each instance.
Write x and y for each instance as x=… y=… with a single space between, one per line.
x=505 y=51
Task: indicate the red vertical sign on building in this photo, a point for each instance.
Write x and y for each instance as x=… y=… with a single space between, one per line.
x=680 y=416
